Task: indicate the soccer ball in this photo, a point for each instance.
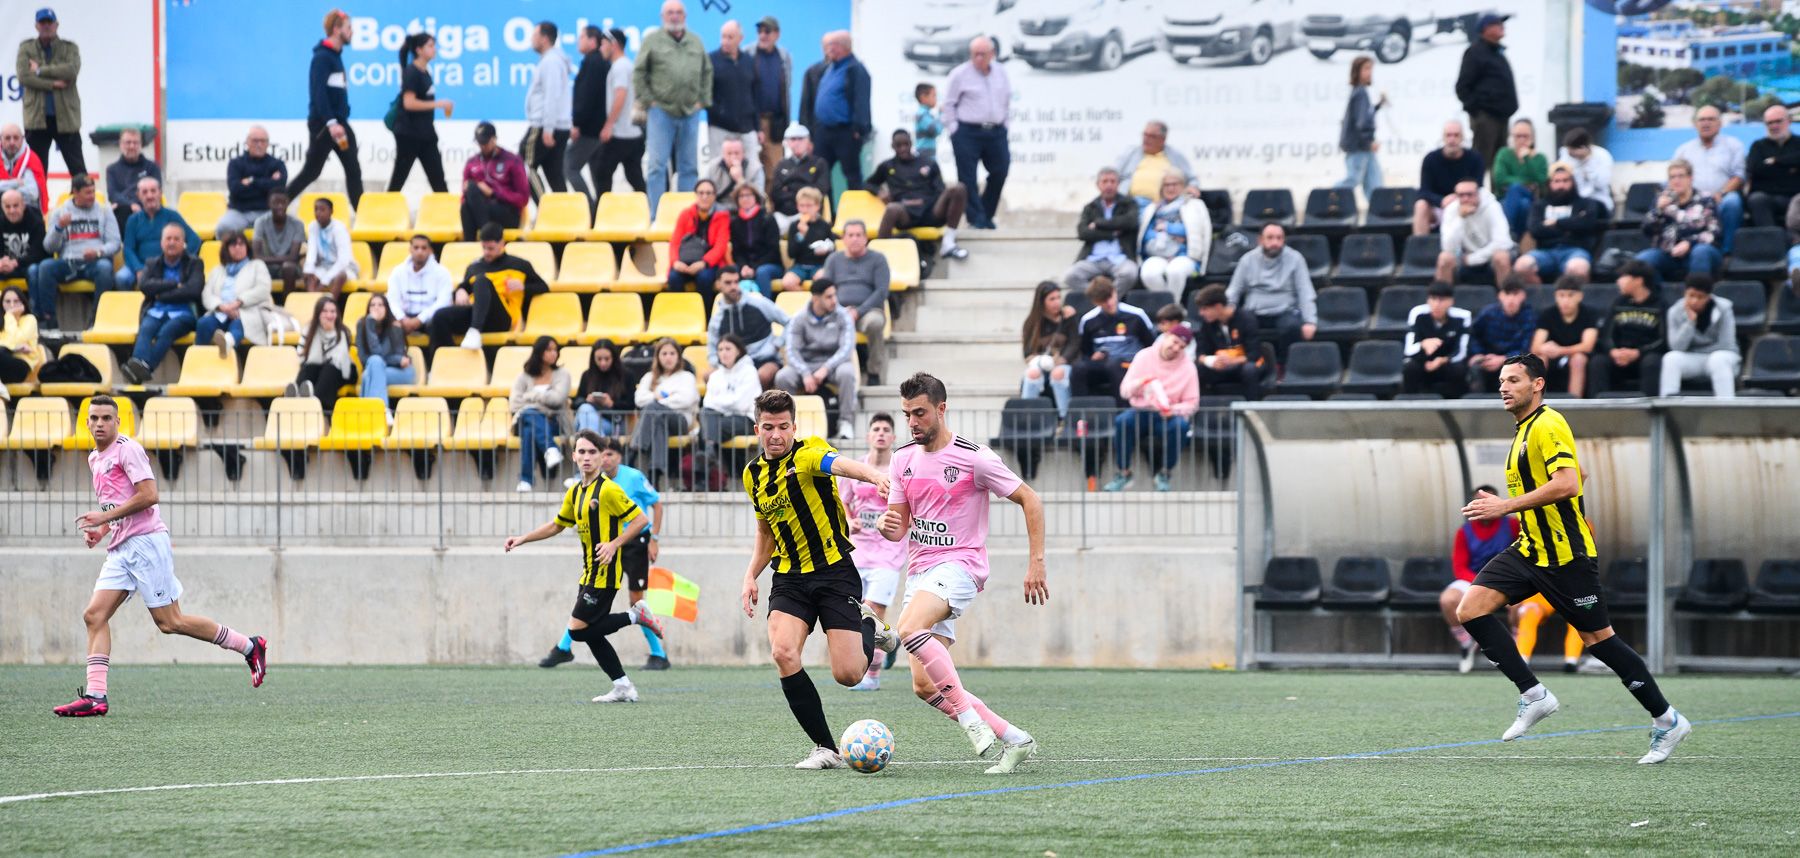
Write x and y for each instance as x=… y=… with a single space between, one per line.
x=867 y=745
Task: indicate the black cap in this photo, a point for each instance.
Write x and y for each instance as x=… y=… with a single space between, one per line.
x=768 y=22
x=1490 y=20
x=484 y=132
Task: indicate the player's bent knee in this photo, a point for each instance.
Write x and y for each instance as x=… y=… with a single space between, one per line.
x=847 y=676
x=1591 y=638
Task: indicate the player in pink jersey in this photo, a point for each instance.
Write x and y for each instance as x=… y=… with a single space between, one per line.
x=879 y=560
x=138 y=559
x=941 y=485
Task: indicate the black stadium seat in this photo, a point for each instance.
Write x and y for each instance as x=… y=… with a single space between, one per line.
x=1312 y=369
x=1749 y=305
x=1268 y=205
x=1330 y=211
x=1541 y=298
x=1787 y=312
x=1627 y=241
x=1758 y=252
x=1341 y=396
x=1774 y=363
x=1289 y=584
x=1214 y=431
x=1366 y=260
x=1391 y=310
x=1475 y=298
x=1027 y=426
x=1418 y=264
x=1078 y=299
x=1715 y=585
x=1390 y=211
x=1375 y=368
x=1640 y=198
x=1226 y=251
x=1316 y=249
x=1357 y=584
x=1422 y=580
x=1149 y=300
x=1090 y=430
x=1343 y=314
x=1599 y=297
x=1628 y=584
x=1218 y=206
x=1777 y=588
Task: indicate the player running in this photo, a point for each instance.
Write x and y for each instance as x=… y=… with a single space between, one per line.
x=138 y=559
x=879 y=560
x=598 y=510
x=801 y=531
x=941 y=487
x=1555 y=556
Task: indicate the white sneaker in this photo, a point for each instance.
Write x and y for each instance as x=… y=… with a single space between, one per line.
x=981 y=736
x=552 y=457
x=868 y=683
x=886 y=639
x=472 y=339
x=845 y=433
x=1663 y=742
x=1012 y=755
x=226 y=342
x=821 y=758
x=1530 y=712
x=523 y=487
x=570 y=482
x=626 y=693
x=1467 y=662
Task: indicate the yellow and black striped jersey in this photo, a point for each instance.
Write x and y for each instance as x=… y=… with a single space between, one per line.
x=599 y=511
x=797 y=495
x=1554 y=534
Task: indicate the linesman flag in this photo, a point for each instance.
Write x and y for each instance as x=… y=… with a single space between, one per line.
x=671 y=595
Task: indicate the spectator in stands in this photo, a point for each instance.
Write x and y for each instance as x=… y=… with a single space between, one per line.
x=1702 y=340
x=732 y=112
x=1632 y=337
x=328 y=112
x=1163 y=390
x=47 y=67
x=916 y=196
x=589 y=109
x=809 y=239
x=79 y=242
x=927 y=127
x=1439 y=174
x=1051 y=342
x=1565 y=339
x=1169 y=257
x=1276 y=287
x=279 y=241
x=1108 y=228
x=21 y=238
x=673 y=84
x=622 y=137
x=1356 y=133
x=1143 y=167
x=20 y=353
x=1565 y=226
x=172 y=284
x=863 y=281
x=668 y=401
x=821 y=353
x=142 y=240
x=1485 y=86
x=540 y=411
x=501 y=287
x=249 y=179
x=1683 y=227
x=1773 y=168
x=1521 y=174
x=841 y=121
x=731 y=390
x=20 y=170
x=1477 y=245
x=1592 y=166
x=122 y=176
x=495 y=188
x=237 y=300
x=752 y=319
x=734 y=169
x=381 y=344
x=604 y=396
x=1109 y=336
x=1475 y=543
x=809 y=85
x=1500 y=330
x=774 y=79
x=548 y=112
x=800 y=170
x=755 y=240
x=700 y=245
x=421 y=284
x=330 y=262
x=977 y=107
x=1718 y=162
x=1437 y=345
x=415 y=132
x=1224 y=343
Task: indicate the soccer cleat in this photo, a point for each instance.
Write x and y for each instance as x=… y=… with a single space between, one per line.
x=626 y=693
x=868 y=683
x=982 y=737
x=888 y=662
x=1012 y=755
x=821 y=758
x=1466 y=662
x=1569 y=667
x=1118 y=483
x=1530 y=712
x=886 y=639
x=640 y=612
x=84 y=706
x=557 y=656
x=1662 y=742
x=258 y=659
x=656 y=662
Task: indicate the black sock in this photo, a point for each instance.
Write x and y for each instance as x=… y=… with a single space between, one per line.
x=1498 y=646
x=1633 y=673
x=606 y=657
x=803 y=699
x=611 y=623
x=868 y=630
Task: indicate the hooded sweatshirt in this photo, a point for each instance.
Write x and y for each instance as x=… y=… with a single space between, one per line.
x=1155 y=384
x=1719 y=333
x=549 y=101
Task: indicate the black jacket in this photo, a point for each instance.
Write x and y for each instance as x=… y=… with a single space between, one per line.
x=1579 y=227
x=23 y=241
x=590 y=95
x=792 y=174
x=755 y=241
x=809 y=91
x=266 y=174
x=800 y=243
x=915 y=183
x=1630 y=325
x=1123 y=226
x=1485 y=84
x=183 y=290
x=1236 y=333
x=733 y=105
x=326 y=100
x=1774 y=168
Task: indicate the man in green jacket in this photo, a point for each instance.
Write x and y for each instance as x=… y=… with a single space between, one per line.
x=673 y=83
x=47 y=67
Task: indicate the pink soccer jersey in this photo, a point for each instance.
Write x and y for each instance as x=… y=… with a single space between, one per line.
x=865 y=504
x=947 y=494
x=117 y=471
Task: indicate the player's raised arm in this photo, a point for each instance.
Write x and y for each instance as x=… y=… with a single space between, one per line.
x=842 y=467
x=1037 y=591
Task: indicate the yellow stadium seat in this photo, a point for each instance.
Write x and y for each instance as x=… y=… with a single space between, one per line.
x=169 y=423
x=696 y=356
x=681 y=316
x=440 y=217
x=416 y=357
x=561 y=217
x=420 y=423
x=340 y=206
x=356 y=306
x=793 y=302
x=858 y=205
x=668 y=209
x=204 y=373
x=575 y=360
x=393 y=255
x=902 y=259
x=475 y=429
x=381 y=216
x=614 y=316
x=100 y=356
x=295 y=423
x=356 y=424
x=539 y=254
x=622 y=216
x=209 y=254
x=116 y=319
x=39 y=423
x=456 y=257
x=925 y=233
x=79 y=439
x=202 y=210
x=555 y=315
x=509 y=362
x=267 y=372
x=499 y=414
x=809 y=417
x=645 y=268
x=20 y=389
x=586 y=267
x=455 y=372
x=99 y=199
x=365 y=279
x=299 y=306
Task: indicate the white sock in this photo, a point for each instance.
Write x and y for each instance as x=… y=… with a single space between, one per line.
x=1535 y=692
x=949 y=239
x=968 y=717
x=1015 y=736
x=1666 y=720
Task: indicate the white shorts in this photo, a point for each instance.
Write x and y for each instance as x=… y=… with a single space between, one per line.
x=145 y=565
x=879 y=585
x=947 y=581
x=1459 y=585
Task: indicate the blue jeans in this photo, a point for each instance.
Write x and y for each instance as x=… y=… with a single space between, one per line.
x=593 y=419
x=1165 y=432
x=1701 y=259
x=1517 y=205
x=1731 y=216
x=377 y=375
x=1059 y=382
x=663 y=132
x=987 y=147
x=766 y=275
x=535 y=436
x=156 y=335
x=1361 y=171
x=1552 y=261
x=52 y=273
x=209 y=324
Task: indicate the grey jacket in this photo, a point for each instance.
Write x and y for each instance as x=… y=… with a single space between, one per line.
x=815 y=342
x=1268 y=287
x=93 y=227
x=1719 y=336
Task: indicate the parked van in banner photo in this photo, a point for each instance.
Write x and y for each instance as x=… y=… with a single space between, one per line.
x=1248 y=32
x=940 y=42
x=1389 y=34
x=1096 y=34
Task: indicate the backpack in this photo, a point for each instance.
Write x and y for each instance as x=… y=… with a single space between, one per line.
x=69 y=369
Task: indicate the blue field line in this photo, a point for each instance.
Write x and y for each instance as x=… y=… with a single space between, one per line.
x=949 y=796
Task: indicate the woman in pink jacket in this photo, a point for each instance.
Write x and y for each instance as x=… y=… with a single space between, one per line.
x=1164 y=389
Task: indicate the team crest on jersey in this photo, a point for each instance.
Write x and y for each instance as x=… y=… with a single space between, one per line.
x=951 y=472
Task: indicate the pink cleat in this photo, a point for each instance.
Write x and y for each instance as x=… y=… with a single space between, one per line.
x=258 y=659
x=641 y=611
x=83 y=706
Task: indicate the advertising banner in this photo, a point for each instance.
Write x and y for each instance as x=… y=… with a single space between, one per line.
x=117 y=83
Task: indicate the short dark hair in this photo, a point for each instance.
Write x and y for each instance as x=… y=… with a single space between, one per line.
x=774 y=402
x=901 y=132
x=100 y=399
x=1211 y=296
x=1440 y=289
x=491 y=231
x=1700 y=282
x=591 y=437
x=924 y=384
x=1487 y=488
x=709 y=183
x=820 y=284
x=920 y=90
x=612 y=445
x=1101 y=289
x=1578 y=138
x=329 y=205
x=419 y=237
x=1512 y=283
x=1171 y=313
x=881 y=417
x=731 y=271
x=1534 y=365
x=548 y=28
x=1569 y=283
x=593 y=32
x=1640 y=269
x=79 y=181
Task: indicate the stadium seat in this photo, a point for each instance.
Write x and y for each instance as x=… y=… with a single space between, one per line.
x=267 y=372
x=295 y=423
x=1787 y=312
x=1218 y=207
x=1077 y=299
x=858 y=205
x=169 y=423
x=1418 y=262
x=614 y=316
x=1148 y=300
x=903 y=261
x=1777 y=588
x=366 y=272
x=1265 y=206
x=1774 y=363
x=1376 y=367
x=1715 y=585
x=1090 y=420
x=299 y=306
x=1629 y=242
x=587 y=267
x=561 y=217
x=1289 y=584
x=1749 y=305
x=393 y=255
x=575 y=360
x=1027 y=427
x=209 y=255
x=539 y=253
x=205 y=373
x=101 y=356
x=1422 y=580
x=556 y=314
x=1316 y=249
x=1330 y=211
x=1366 y=260
x=341 y=210
x=79 y=439
x=1343 y=314
x=1341 y=396
x=509 y=362
x=1312 y=369
x=202 y=210
x=809 y=416
x=1357 y=584
x=381 y=216
x=1227 y=249
x=1392 y=307
x=681 y=316
x=456 y=257
x=356 y=306
x=420 y=423
x=477 y=427
x=1640 y=198
x=40 y=423
x=116 y=318
x=357 y=423
x=644 y=268
x=794 y=303
x=1475 y=298
x=668 y=208
x=622 y=216
x=1390 y=211
x=1758 y=252
x=1628 y=584
x=455 y=372
x=440 y=218
x=1599 y=298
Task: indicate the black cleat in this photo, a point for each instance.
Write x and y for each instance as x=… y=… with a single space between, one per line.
x=888 y=662
x=556 y=657
x=656 y=662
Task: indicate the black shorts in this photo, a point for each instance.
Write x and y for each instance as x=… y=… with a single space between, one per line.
x=926 y=215
x=831 y=596
x=634 y=556
x=592 y=603
x=1574 y=590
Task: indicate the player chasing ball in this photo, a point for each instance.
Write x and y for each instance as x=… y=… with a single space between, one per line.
x=1555 y=556
x=879 y=559
x=138 y=559
x=940 y=499
x=599 y=510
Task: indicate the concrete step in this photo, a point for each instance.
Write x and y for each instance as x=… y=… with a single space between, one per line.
x=957 y=340
x=1008 y=259
x=992 y=366
x=984 y=316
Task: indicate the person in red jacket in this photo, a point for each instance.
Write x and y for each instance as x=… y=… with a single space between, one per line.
x=701 y=244
x=1477 y=542
x=495 y=188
